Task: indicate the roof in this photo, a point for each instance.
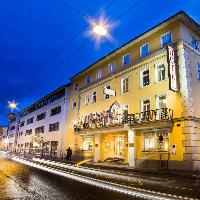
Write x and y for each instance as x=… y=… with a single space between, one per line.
x=43 y=98
x=177 y=15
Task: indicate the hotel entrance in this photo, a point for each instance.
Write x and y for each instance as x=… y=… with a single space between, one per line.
x=114 y=147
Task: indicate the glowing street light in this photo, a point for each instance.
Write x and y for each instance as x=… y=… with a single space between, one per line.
x=12 y=105
x=100 y=30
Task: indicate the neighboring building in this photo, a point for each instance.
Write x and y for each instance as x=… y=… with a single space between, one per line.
x=42 y=126
x=140 y=102
x=13 y=121
x=3 y=138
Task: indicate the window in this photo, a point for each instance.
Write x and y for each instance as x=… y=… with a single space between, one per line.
x=161 y=102
x=198 y=71
x=144 y=50
x=88 y=143
x=22 y=123
x=28 y=132
x=75 y=86
x=99 y=74
x=39 y=130
x=29 y=121
x=87 y=99
x=126 y=59
x=56 y=110
x=160 y=72
x=145 y=106
x=88 y=79
x=13 y=119
x=111 y=68
x=94 y=97
x=152 y=143
x=166 y=39
x=41 y=116
x=195 y=43
x=107 y=96
x=144 y=77
x=54 y=127
x=124 y=85
x=20 y=134
x=12 y=128
x=73 y=105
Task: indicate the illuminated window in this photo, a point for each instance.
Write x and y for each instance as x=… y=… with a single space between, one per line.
x=161 y=102
x=124 y=85
x=199 y=71
x=144 y=50
x=166 y=39
x=145 y=105
x=94 y=97
x=152 y=142
x=126 y=59
x=111 y=68
x=99 y=74
x=160 y=72
x=88 y=143
x=195 y=43
x=144 y=77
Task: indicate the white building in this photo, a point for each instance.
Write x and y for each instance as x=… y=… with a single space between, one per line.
x=42 y=126
x=12 y=131
x=3 y=137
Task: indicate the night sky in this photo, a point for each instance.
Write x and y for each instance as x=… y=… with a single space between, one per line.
x=37 y=53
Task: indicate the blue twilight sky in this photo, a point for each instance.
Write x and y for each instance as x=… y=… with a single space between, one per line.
x=36 y=56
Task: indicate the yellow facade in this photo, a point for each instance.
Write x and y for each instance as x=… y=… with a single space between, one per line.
x=114 y=140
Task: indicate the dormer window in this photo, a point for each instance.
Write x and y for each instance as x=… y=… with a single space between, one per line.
x=166 y=39
x=111 y=68
x=75 y=86
x=99 y=74
x=144 y=50
x=195 y=43
x=88 y=79
x=126 y=59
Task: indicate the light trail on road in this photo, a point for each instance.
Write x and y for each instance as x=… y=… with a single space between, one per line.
x=135 y=192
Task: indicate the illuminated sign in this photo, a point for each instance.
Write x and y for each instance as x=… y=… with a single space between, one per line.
x=109 y=91
x=172 y=69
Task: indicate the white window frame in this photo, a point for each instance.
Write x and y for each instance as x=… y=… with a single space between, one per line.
x=113 y=67
x=123 y=59
x=122 y=80
x=161 y=41
x=141 y=49
x=99 y=74
x=92 y=99
x=87 y=99
x=141 y=77
x=156 y=72
x=142 y=103
x=157 y=103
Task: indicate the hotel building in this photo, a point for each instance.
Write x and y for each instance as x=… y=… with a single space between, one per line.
x=138 y=105
x=42 y=126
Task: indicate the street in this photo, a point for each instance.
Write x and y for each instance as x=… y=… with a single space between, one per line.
x=40 y=179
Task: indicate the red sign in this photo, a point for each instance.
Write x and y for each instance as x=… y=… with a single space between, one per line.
x=172 y=69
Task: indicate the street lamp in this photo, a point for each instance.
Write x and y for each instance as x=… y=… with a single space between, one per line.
x=100 y=30
x=12 y=105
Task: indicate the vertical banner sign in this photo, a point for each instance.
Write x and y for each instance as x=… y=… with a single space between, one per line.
x=172 y=69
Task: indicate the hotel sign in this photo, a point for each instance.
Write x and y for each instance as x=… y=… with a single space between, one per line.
x=109 y=91
x=172 y=69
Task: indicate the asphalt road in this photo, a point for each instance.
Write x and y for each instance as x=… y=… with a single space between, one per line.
x=19 y=181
